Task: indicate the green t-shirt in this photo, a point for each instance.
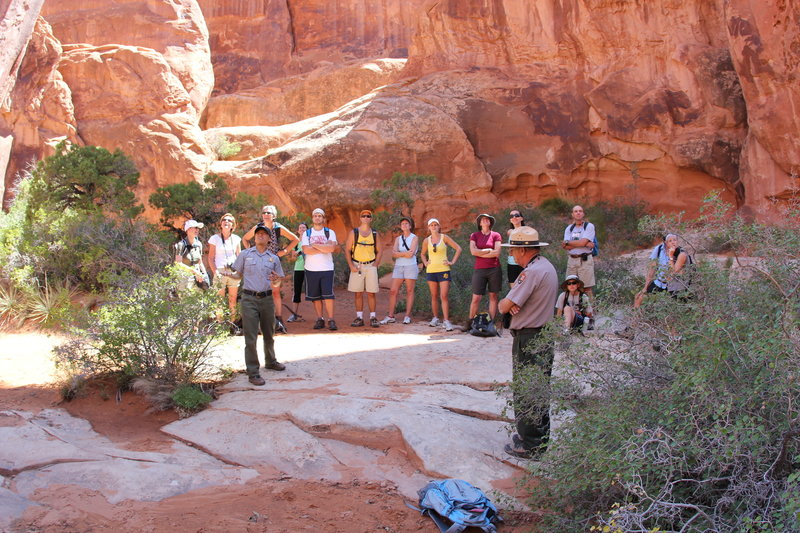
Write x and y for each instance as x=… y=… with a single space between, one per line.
x=300 y=262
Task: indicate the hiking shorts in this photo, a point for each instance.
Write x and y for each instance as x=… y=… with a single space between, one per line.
x=405 y=272
x=319 y=285
x=438 y=277
x=222 y=282
x=364 y=280
x=481 y=277
x=583 y=269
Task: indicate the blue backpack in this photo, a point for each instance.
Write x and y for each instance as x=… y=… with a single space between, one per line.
x=454 y=505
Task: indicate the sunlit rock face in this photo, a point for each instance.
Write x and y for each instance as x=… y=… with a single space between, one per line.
x=506 y=102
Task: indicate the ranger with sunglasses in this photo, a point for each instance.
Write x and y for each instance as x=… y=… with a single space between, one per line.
x=364 y=255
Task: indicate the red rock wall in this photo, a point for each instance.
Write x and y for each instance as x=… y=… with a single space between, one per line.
x=505 y=101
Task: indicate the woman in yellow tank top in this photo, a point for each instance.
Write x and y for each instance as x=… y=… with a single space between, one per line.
x=434 y=256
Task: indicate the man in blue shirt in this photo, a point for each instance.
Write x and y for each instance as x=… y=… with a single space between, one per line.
x=259 y=268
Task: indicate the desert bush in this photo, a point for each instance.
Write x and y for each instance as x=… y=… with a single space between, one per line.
x=396 y=197
x=51 y=304
x=148 y=330
x=205 y=202
x=74 y=220
x=13 y=305
x=224 y=147
x=690 y=422
x=190 y=398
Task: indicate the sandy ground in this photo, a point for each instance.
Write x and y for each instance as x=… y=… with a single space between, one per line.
x=270 y=502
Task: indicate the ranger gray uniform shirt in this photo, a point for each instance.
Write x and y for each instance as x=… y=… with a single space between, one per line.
x=535 y=292
x=256 y=268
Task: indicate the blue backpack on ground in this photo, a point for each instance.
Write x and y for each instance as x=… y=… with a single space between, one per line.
x=454 y=505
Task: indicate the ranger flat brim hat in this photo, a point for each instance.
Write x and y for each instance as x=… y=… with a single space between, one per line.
x=525 y=237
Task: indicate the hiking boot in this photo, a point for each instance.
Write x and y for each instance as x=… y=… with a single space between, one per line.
x=257 y=380
x=276 y=366
x=589 y=324
x=373 y=322
x=517 y=450
x=407 y=320
x=388 y=320
x=294 y=318
x=434 y=322
x=320 y=323
x=448 y=326
x=280 y=327
x=332 y=325
x=357 y=323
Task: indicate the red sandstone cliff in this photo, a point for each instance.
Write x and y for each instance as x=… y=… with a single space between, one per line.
x=505 y=101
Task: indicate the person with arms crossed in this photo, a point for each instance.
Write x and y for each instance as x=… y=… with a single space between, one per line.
x=319 y=244
x=530 y=303
x=405 y=269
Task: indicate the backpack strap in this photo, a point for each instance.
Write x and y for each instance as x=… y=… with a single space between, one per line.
x=326 y=229
x=356 y=235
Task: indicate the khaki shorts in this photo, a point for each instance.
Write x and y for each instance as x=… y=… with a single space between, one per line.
x=221 y=282
x=583 y=269
x=366 y=279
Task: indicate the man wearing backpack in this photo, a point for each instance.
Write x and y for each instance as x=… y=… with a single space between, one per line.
x=530 y=303
x=579 y=238
x=319 y=243
x=363 y=257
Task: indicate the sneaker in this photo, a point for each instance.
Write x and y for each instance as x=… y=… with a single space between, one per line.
x=448 y=326
x=434 y=322
x=373 y=322
x=280 y=327
x=589 y=324
x=320 y=323
x=407 y=320
x=357 y=323
x=257 y=380
x=388 y=320
x=332 y=325
x=517 y=450
x=276 y=366
x=294 y=318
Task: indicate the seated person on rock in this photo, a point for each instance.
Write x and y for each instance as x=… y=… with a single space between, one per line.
x=573 y=304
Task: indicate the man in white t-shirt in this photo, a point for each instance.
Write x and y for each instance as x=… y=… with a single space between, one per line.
x=319 y=243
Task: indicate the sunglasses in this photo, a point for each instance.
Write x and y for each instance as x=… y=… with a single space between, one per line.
x=366 y=216
x=516 y=215
x=227 y=220
x=572 y=283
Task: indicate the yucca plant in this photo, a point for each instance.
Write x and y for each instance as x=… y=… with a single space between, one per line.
x=13 y=305
x=50 y=305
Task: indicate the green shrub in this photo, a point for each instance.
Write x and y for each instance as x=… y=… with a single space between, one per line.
x=74 y=221
x=13 y=306
x=224 y=148
x=396 y=198
x=205 y=202
x=51 y=305
x=190 y=398
x=147 y=330
x=693 y=422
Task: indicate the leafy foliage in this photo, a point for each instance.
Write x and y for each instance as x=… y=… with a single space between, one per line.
x=224 y=148
x=397 y=196
x=86 y=179
x=691 y=421
x=205 y=202
x=74 y=221
x=146 y=330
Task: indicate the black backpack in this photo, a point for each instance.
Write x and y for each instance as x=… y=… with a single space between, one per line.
x=482 y=326
x=356 y=235
x=596 y=247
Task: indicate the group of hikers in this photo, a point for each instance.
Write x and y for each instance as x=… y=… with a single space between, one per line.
x=248 y=269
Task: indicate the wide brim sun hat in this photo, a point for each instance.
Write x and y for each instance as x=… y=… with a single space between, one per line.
x=571 y=278
x=484 y=215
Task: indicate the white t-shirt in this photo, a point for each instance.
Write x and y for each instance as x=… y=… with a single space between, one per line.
x=225 y=253
x=318 y=262
x=406 y=261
